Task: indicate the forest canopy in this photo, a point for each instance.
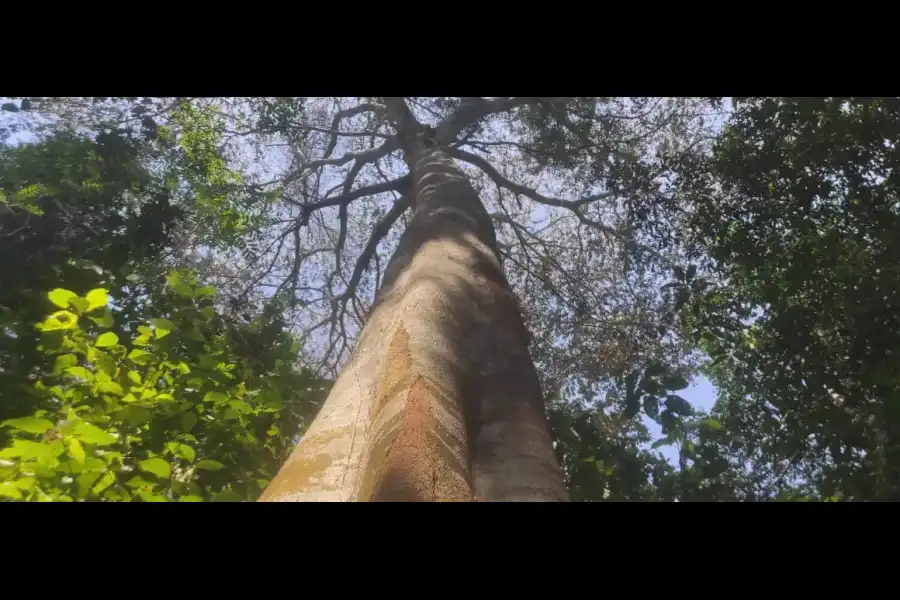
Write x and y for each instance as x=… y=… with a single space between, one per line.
x=183 y=279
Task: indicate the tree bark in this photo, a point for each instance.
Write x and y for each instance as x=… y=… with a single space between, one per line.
x=440 y=400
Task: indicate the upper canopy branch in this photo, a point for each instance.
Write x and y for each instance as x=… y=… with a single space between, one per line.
x=397 y=185
x=346 y=114
x=496 y=177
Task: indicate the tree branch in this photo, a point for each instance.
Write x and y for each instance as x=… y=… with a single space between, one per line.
x=366 y=157
x=345 y=114
x=398 y=184
x=380 y=230
x=471 y=110
x=573 y=205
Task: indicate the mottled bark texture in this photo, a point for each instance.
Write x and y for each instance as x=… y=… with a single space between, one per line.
x=440 y=400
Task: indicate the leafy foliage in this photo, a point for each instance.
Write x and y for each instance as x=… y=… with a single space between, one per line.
x=798 y=210
x=181 y=408
x=78 y=213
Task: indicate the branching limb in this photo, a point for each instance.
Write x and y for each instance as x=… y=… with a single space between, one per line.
x=366 y=157
x=369 y=190
x=471 y=110
x=380 y=230
x=346 y=114
x=496 y=177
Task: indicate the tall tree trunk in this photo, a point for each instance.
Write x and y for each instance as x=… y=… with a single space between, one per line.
x=440 y=400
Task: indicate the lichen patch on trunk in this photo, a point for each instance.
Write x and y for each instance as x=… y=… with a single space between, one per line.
x=297 y=474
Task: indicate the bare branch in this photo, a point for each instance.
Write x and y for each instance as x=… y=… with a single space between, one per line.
x=368 y=156
x=376 y=188
x=573 y=205
x=471 y=110
x=380 y=230
x=344 y=114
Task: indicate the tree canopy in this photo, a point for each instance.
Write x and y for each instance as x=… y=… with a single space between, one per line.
x=649 y=241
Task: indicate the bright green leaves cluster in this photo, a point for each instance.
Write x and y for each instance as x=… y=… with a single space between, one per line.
x=99 y=214
x=25 y=199
x=171 y=411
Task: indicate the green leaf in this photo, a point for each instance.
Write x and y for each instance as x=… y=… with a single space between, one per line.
x=140 y=357
x=713 y=424
x=92 y=463
x=106 y=480
x=139 y=482
x=215 y=397
x=163 y=327
x=107 y=339
x=110 y=387
x=60 y=320
x=116 y=495
x=151 y=497
x=241 y=407
x=137 y=415
x=60 y=297
x=81 y=373
x=29 y=424
x=227 y=496
x=188 y=422
x=25 y=449
x=79 y=304
x=190 y=499
x=9 y=490
x=76 y=450
x=96 y=299
x=85 y=481
x=92 y=434
x=27 y=484
x=188 y=453
x=64 y=361
x=104 y=320
x=134 y=377
x=52 y=340
x=182 y=289
x=156 y=466
x=209 y=465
